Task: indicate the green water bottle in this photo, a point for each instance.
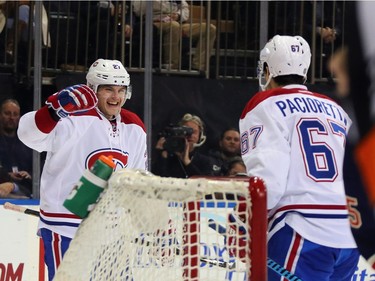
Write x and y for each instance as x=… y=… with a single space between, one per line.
x=86 y=192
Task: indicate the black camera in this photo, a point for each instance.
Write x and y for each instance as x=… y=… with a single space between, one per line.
x=175 y=137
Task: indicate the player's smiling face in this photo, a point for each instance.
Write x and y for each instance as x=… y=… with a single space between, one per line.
x=110 y=99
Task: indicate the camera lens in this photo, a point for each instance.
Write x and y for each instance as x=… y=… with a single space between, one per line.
x=174 y=144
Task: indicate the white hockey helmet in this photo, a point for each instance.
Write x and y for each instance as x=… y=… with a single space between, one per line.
x=284 y=55
x=108 y=72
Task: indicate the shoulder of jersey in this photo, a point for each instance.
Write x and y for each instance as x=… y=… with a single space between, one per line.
x=264 y=95
x=129 y=117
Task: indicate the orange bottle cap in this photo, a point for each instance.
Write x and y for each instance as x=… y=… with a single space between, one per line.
x=108 y=160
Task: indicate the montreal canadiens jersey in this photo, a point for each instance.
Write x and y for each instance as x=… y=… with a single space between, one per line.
x=294 y=140
x=73 y=144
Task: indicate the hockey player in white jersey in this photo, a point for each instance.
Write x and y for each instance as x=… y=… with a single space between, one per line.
x=294 y=139
x=75 y=127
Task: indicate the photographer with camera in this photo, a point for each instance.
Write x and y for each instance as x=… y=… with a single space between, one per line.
x=178 y=154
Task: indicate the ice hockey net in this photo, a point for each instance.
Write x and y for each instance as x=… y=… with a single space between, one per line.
x=146 y=227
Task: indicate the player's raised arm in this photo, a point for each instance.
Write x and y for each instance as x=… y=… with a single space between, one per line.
x=35 y=126
x=72 y=99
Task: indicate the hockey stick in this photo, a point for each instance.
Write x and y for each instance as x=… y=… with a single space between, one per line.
x=222 y=264
x=17 y=208
x=270 y=263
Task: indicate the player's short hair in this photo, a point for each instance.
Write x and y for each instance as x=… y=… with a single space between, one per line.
x=289 y=79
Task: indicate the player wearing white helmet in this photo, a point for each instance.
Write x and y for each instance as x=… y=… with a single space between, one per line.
x=284 y=55
x=76 y=126
x=108 y=72
x=295 y=140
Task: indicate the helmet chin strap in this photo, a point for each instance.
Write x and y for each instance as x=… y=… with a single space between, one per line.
x=264 y=87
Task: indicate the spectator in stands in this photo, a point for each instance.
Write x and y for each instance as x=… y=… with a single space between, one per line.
x=321 y=21
x=235 y=168
x=97 y=24
x=3 y=20
x=178 y=156
x=2 y=16
x=328 y=30
x=15 y=157
x=229 y=148
x=103 y=18
x=21 y=35
x=17 y=33
x=338 y=66
x=172 y=20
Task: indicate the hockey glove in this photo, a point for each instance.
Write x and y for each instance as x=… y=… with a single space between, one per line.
x=72 y=99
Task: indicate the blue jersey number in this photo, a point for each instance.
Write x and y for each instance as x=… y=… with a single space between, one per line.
x=318 y=155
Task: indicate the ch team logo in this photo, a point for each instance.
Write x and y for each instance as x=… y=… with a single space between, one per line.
x=120 y=158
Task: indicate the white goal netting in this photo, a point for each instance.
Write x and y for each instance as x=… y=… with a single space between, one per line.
x=146 y=227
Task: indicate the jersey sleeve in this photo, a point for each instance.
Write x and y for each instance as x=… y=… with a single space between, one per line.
x=265 y=150
x=36 y=129
x=29 y=133
x=140 y=156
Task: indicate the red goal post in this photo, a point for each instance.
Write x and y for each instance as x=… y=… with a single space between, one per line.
x=257 y=222
x=146 y=227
